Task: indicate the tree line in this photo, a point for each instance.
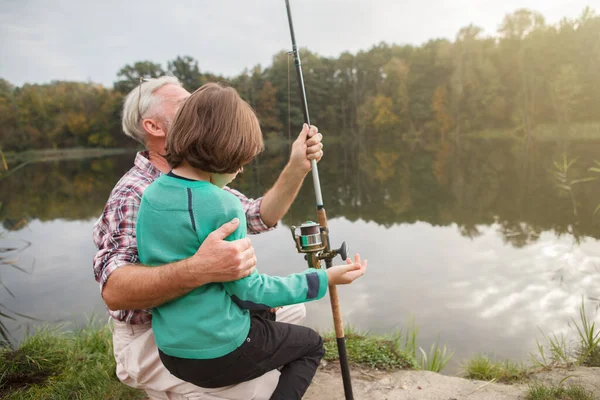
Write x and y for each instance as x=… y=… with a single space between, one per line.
x=529 y=74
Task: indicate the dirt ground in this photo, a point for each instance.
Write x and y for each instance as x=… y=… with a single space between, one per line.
x=424 y=385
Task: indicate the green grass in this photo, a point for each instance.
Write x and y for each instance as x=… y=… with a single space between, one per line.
x=574 y=392
x=53 y=364
x=436 y=359
x=392 y=352
x=3 y=160
x=483 y=368
x=589 y=339
x=56 y=364
x=557 y=352
x=385 y=353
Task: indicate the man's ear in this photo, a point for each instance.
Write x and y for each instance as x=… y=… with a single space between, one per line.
x=153 y=128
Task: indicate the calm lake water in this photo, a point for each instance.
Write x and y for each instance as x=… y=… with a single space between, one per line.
x=483 y=242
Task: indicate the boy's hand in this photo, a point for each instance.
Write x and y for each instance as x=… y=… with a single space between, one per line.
x=345 y=274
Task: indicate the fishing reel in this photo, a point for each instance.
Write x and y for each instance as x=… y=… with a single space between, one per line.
x=313 y=241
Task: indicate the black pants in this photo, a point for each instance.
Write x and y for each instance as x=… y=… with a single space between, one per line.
x=269 y=345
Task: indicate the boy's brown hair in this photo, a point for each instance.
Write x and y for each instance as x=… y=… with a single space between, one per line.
x=214 y=131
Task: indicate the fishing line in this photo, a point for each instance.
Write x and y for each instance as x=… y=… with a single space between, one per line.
x=289 y=96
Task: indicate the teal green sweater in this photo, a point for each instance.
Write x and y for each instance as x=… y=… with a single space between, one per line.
x=174 y=218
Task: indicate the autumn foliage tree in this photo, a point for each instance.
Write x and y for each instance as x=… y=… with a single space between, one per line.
x=530 y=74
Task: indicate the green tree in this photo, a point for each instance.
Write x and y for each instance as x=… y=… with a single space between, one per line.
x=566 y=93
x=129 y=76
x=266 y=109
x=186 y=70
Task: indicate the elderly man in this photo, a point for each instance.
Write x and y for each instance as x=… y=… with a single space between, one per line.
x=130 y=290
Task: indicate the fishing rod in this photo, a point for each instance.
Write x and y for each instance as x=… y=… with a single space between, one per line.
x=313 y=239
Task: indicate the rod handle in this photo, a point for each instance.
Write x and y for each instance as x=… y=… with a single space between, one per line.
x=322 y=217
x=335 y=309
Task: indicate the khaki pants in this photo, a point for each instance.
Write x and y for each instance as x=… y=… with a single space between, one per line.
x=139 y=366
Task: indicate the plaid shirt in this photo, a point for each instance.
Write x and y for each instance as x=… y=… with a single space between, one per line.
x=114 y=232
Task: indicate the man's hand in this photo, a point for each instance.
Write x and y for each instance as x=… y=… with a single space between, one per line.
x=218 y=260
x=306 y=147
x=277 y=201
x=135 y=287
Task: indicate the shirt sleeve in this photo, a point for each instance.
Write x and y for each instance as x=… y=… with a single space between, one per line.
x=252 y=210
x=115 y=239
x=260 y=291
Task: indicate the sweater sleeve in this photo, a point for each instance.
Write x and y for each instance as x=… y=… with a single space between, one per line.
x=260 y=291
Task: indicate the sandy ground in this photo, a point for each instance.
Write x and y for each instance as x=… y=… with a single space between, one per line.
x=401 y=385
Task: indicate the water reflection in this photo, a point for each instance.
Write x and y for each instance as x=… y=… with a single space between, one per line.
x=71 y=190
x=481 y=183
x=10 y=250
x=478 y=242
x=60 y=286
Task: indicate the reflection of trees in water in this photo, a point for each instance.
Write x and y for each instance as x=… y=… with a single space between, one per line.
x=46 y=191
x=9 y=258
x=482 y=182
x=70 y=190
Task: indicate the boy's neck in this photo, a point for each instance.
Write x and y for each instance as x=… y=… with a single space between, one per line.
x=187 y=171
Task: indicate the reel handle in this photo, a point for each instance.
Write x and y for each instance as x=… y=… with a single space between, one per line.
x=343 y=251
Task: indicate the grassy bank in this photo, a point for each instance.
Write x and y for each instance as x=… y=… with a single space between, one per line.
x=390 y=352
x=371 y=351
x=54 y=364
x=559 y=392
x=552 y=352
x=57 y=364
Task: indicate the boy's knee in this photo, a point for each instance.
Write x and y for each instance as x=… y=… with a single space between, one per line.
x=321 y=348
x=318 y=347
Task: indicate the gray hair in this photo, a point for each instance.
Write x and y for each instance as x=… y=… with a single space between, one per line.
x=139 y=102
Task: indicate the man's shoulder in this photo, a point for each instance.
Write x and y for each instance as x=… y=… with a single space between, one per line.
x=131 y=186
x=125 y=198
x=228 y=198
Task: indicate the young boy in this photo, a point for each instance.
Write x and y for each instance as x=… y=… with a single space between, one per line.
x=208 y=336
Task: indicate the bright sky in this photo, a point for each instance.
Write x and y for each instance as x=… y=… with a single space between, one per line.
x=44 y=40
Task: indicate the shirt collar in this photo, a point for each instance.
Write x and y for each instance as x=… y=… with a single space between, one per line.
x=142 y=161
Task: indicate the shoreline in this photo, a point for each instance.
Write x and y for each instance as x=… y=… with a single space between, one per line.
x=55 y=362
x=427 y=385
